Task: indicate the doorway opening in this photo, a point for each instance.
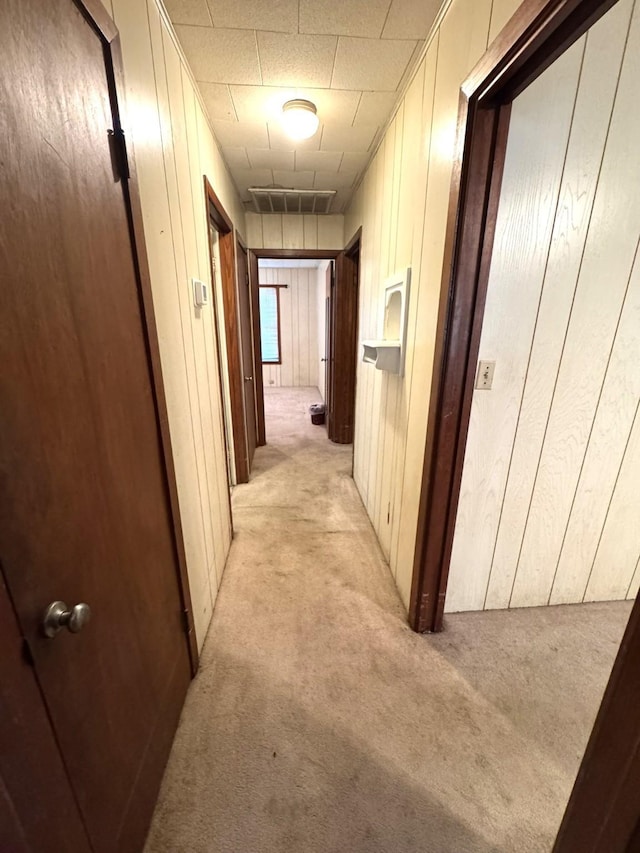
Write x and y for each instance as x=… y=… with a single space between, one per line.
x=294 y=320
x=566 y=487
x=306 y=339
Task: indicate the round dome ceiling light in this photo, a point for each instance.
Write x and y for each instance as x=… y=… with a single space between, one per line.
x=300 y=118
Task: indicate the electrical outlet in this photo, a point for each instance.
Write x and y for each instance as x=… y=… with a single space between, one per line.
x=484 y=379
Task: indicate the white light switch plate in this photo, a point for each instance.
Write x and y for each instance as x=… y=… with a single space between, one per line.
x=484 y=378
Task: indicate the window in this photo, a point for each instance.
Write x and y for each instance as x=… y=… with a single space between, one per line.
x=270 y=324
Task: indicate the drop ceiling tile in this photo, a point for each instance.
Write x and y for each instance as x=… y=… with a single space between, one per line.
x=295 y=60
x=410 y=19
x=279 y=141
x=354 y=161
x=220 y=56
x=217 y=101
x=375 y=107
x=353 y=18
x=296 y=180
x=266 y=158
x=252 y=177
x=241 y=134
x=371 y=64
x=189 y=12
x=320 y=161
x=336 y=138
x=236 y=158
x=253 y=103
x=276 y=15
x=334 y=180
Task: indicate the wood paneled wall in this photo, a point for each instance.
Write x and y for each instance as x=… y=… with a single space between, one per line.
x=294 y=231
x=550 y=495
x=174 y=148
x=298 y=328
x=402 y=206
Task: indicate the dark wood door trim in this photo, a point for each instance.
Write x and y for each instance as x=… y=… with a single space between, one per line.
x=254 y=284
x=297 y=254
x=224 y=226
x=536 y=35
x=96 y=14
x=603 y=814
x=344 y=338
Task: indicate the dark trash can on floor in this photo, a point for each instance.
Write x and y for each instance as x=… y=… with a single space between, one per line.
x=317 y=411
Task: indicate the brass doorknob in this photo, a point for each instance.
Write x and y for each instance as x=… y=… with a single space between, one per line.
x=248 y=378
x=58 y=616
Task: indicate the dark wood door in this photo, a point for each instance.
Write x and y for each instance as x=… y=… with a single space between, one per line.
x=84 y=505
x=343 y=340
x=327 y=351
x=248 y=363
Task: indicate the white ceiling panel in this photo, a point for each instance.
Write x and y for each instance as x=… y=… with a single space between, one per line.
x=334 y=180
x=265 y=102
x=318 y=161
x=336 y=138
x=375 y=107
x=218 y=101
x=221 y=56
x=298 y=180
x=351 y=58
x=371 y=64
x=296 y=60
x=279 y=140
x=277 y=15
x=354 y=161
x=239 y=134
x=189 y=12
x=236 y=158
x=266 y=158
x=410 y=19
x=354 y=18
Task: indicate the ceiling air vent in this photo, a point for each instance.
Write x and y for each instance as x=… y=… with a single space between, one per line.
x=279 y=200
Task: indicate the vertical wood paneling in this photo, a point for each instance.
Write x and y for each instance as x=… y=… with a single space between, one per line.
x=599 y=78
x=426 y=164
x=619 y=547
x=310 y=231
x=532 y=174
x=299 y=324
x=174 y=147
x=558 y=425
x=294 y=231
x=500 y=14
x=254 y=230
x=615 y=224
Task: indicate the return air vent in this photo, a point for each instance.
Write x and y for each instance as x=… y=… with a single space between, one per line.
x=279 y=200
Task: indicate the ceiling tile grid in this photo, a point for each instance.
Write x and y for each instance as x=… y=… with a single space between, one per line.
x=349 y=57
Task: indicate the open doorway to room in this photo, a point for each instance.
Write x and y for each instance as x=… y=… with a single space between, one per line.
x=533 y=449
x=294 y=312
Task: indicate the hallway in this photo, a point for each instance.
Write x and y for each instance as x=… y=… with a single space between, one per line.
x=320 y=722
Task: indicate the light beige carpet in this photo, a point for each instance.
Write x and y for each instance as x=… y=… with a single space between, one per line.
x=320 y=723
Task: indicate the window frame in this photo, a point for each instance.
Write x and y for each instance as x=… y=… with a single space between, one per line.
x=277 y=288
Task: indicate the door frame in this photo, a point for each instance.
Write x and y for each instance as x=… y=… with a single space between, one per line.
x=539 y=32
x=98 y=17
x=218 y=217
x=346 y=313
x=345 y=301
x=254 y=307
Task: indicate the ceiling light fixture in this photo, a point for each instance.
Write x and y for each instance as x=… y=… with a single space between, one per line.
x=299 y=118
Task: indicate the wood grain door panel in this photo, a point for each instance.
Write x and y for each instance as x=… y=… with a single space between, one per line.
x=248 y=363
x=85 y=509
